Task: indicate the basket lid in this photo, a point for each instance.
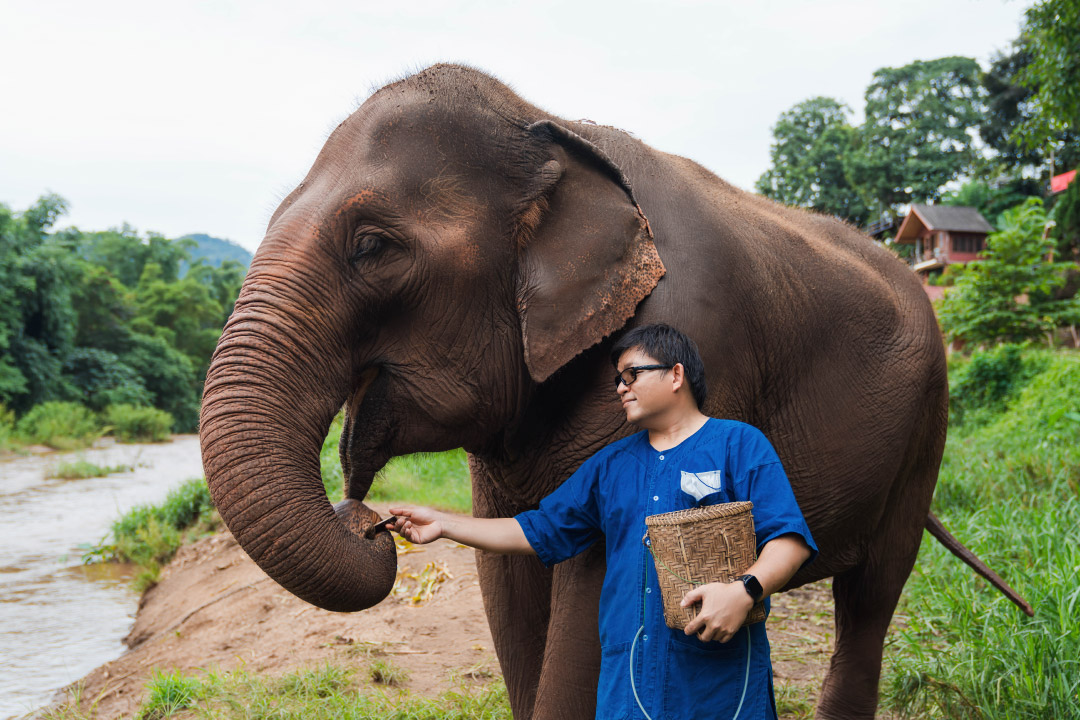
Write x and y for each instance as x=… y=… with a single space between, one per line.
x=698 y=514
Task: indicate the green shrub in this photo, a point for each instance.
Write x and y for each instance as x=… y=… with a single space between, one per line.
x=136 y=423
x=149 y=535
x=60 y=425
x=984 y=385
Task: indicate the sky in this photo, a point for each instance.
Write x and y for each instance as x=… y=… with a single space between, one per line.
x=192 y=117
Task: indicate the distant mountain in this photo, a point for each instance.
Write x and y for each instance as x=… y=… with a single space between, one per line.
x=214 y=251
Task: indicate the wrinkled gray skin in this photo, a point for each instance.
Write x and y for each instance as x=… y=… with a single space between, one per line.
x=453 y=270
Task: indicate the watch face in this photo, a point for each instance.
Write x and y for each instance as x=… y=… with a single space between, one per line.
x=752 y=586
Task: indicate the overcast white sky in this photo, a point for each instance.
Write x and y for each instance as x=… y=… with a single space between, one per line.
x=201 y=116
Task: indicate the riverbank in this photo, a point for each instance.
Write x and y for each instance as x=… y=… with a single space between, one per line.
x=59 y=618
x=215 y=611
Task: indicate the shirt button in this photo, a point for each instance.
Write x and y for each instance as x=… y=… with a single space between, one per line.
x=655 y=498
x=661 y=457
x=648 y=590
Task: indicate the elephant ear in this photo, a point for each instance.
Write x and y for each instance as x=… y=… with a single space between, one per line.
x=587 y=252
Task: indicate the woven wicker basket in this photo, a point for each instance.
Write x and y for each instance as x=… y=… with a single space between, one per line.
x=715 y=543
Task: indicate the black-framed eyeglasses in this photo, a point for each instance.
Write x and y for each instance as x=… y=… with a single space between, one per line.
x=629 y=375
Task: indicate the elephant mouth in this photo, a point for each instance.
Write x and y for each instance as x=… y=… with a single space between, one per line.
x=366 y=435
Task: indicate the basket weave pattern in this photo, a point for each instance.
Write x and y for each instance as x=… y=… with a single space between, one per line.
x=715 y=543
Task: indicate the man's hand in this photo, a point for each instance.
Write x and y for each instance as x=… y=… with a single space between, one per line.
x=422 y=525
x=419 y=525
x=724 y=607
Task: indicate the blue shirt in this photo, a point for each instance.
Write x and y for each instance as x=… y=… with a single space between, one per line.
x=609 y=496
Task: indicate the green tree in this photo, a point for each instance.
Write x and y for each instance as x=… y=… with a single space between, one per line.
x=125 y=255
x=184 y=312
x=1010 y=107
x=1009 y=294
x=104 y=308
x=1052 y=30
x=915 y=138
x=990 y=200
x=104 y=318
x=809 y=144
x=38 y=321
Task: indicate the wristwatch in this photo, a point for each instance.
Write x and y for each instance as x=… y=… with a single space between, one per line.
x=753 y=587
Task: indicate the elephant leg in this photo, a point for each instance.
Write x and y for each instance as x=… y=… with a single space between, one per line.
x=865 y=597
x=572 y=656
x=517 y=599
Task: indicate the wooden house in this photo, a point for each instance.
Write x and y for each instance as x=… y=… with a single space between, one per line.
x=942 y=235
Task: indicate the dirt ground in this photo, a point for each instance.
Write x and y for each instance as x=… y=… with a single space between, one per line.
x=214 y=608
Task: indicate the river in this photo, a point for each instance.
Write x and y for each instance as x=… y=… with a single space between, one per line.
x=60 y=619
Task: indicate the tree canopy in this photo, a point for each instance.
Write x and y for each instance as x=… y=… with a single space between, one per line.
x=915 y=137
x=105 y=318
x=1052 y=37
x=941 y=130
x=811 y=141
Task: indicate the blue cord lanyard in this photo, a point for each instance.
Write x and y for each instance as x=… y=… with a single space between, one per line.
x=633 y=686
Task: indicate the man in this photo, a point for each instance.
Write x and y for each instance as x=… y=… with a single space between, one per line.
x=681 y=459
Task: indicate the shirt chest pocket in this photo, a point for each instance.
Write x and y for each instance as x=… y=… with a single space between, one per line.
x=699 y=485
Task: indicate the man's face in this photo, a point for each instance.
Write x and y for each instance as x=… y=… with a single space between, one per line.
x=650 y=394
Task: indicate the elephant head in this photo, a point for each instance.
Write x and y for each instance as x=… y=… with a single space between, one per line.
x=449 y=250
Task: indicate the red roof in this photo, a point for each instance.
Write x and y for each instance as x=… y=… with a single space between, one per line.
x=1060 y=182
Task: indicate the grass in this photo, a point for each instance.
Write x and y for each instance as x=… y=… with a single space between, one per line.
x=1008 y=489
x=439 y=480
x=169 y=693
x=82 y=469
x=328 y=692
x=149 y=535
x=385 y=672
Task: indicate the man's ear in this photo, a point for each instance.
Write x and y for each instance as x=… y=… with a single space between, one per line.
x=678 y=376
x=586 y=251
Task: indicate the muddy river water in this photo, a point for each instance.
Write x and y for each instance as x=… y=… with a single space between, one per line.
x=60 y=619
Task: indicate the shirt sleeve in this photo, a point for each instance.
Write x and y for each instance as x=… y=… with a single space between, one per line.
x=568 y=520
x=776 y=512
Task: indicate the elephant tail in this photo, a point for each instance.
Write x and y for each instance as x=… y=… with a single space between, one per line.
x=953 y=545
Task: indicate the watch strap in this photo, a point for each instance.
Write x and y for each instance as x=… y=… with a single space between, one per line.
x=753 y=587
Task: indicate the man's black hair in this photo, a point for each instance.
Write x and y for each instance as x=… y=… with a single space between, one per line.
x=667 y=346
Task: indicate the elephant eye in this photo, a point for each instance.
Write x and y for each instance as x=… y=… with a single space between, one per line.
x=366 y=246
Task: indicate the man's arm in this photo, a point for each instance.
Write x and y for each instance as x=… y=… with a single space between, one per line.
x=500 y=535
x=724 y=606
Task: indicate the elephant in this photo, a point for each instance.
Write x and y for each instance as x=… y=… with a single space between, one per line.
x=453 y=271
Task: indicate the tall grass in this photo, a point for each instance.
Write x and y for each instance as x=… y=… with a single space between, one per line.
x=438 y=480
x=149 y=535
x=1008 y=489
x=81 y=469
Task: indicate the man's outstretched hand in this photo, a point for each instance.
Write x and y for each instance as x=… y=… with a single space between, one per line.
x=418 y=525
x=422 y=525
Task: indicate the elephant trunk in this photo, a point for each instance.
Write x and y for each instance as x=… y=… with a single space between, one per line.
x=268 y=402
